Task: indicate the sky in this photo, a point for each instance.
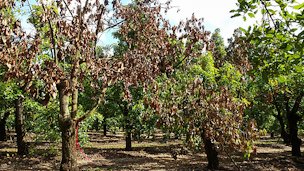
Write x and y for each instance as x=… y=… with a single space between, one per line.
x=215 y=13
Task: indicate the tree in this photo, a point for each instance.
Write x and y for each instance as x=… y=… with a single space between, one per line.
x=6 y=98
x=204 y=99
x=277 y=57
x=219 y=51
x=63 y=52
x=12 y=101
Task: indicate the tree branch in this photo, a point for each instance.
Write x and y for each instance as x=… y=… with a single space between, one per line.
x=90 y=112
x=286 y=103
x=114 y=25
x=297 y=102
x=52 y=37
x=68 y=8
x=270 y=15
x=276 y=106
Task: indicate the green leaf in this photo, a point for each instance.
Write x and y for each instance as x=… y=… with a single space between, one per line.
x=269 y=35
x=243 y=30
x=236 y=15
x=282 y=79
x=300 y=6
x=299 y=69
x=251 y=15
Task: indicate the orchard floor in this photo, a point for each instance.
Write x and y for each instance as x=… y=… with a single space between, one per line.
x=107 y=153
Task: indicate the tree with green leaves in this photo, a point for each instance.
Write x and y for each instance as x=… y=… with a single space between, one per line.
x=203 y=101
x=277 y=57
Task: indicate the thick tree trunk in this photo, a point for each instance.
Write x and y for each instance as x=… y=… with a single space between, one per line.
x=293 y=120
x=2 y=126
x=211 y=152
x=19 y=127
x=293 y=131
x=68 y=129
x=69 y=156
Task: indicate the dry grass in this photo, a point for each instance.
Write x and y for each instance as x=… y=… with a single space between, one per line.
x=107 y=153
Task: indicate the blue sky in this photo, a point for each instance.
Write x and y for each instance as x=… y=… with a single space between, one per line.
x=215 y=13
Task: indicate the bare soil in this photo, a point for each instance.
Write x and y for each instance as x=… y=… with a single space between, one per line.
x=107 y=153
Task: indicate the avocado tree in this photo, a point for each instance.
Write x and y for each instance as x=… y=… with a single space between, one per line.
x=62 y=52
x=277 y=57
x=203 y=99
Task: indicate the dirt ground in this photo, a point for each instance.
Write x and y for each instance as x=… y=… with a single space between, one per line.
x=107 y=153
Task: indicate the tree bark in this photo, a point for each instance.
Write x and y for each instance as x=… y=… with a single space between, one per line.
x=279 y=117
x=104 y=127
x=19 y=127
x=188 y=136
x=2 y=126
x=211 y=152
x=68 y=129
x=284 y=134
x=293 y=131
x=129 y=141
x=293 y=120
x=69 y=156
x=128 y=129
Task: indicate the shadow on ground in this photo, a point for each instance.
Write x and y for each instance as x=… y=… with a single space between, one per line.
x=271 y=155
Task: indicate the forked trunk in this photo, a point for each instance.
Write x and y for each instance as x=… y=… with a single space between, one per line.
x=293 y=119
x=2 y=126
x=19 y=126
x=211 y=152
x=68 y=129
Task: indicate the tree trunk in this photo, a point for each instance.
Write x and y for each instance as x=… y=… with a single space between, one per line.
x=68 y=129
x=293 y=131
x=2 y=126
x=104 y=127
x=69 y=156
x=211 y=152
x=279 y=117
x=128 y=141
x=128 y=129
x=284 y=134
x=96 y=124
x=188 y=136
x=19 y=127
x=293 y=120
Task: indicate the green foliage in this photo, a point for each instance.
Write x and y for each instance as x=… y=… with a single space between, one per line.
x=219 y=51
x=43 y=121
